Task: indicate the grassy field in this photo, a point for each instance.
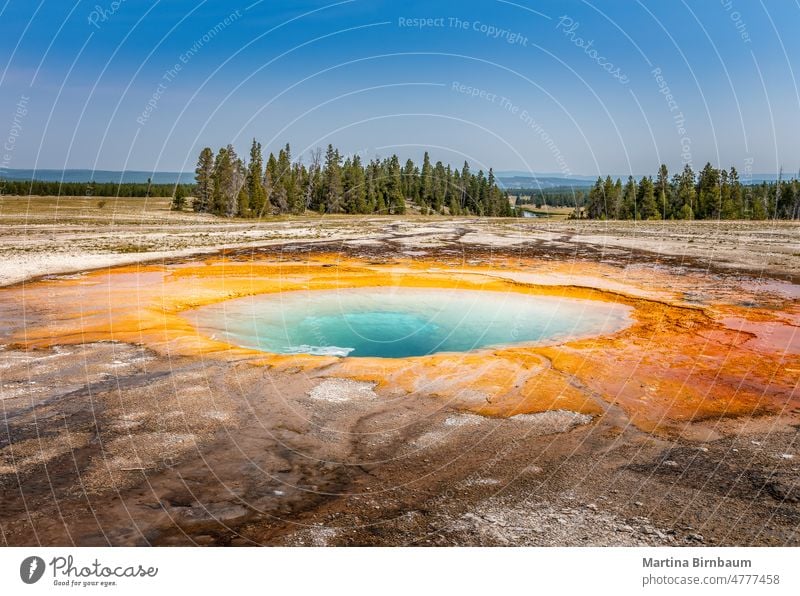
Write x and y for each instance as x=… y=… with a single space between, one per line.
x=15 y=210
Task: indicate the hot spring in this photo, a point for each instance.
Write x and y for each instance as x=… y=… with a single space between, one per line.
x=402 y=322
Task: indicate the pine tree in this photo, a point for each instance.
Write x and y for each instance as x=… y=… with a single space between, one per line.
x=333 y=181
x=242 y=202
x=372 y=188
x=235 y=194
x=394 y=191
x=648 y=208
x=427 y=181
x=223 y=182
x=297 y=203
x=354 y=186
x=179 y=198
x=662 y=202
x=685 y=212
x=266 y=182
x=465 y=200
x=596 y=208
x=440 y=177
x=686 y=194
x=629 y=207
x=314 y=181
x=737 y=195
x=611 y=199
x=709 y=197
x=728 y=209
x=759 y=204
x=380 y=205
x=256 y=193
x=272 y=184
x=204 y=176
x=290 y=199
x=493 y=206
x=662 y=190
x=448 y=188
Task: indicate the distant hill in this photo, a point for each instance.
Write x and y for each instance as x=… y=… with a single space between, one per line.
x=510 y=179
x=529 y=174
x=513 y=180
x=529 y=181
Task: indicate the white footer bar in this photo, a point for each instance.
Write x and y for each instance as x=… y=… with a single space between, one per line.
x=387 y=571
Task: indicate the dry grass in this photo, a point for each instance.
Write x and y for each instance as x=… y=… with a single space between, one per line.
x=63 y=210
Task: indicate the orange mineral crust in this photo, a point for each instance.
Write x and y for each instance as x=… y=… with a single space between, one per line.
x=681 y=360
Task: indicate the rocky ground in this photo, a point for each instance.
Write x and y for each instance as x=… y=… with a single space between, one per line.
x=124 y=448
x=120 y=443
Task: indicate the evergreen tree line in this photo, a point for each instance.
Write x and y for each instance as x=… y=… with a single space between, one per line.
x=711 y=194
x=91 y=189
x=557 y=196
x=331 y=183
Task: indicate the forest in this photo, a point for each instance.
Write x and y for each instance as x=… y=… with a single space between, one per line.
x=227 y=185
x=230 y=186
x=43 y=188
x=712 y=194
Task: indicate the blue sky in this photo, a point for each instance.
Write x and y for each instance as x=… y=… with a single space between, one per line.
x=513 y=85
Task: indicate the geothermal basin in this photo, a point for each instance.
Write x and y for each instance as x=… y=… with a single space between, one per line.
x=287 y=396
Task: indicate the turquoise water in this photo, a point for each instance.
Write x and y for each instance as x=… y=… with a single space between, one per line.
x=397 y=323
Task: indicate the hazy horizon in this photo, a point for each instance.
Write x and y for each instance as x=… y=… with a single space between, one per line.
x=187 y=176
